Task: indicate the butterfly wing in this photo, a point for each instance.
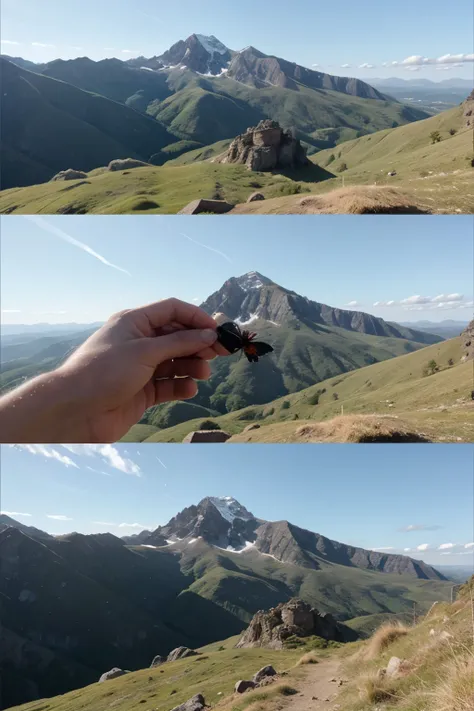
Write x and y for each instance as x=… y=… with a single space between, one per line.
x=255 y=349
x=229 y=335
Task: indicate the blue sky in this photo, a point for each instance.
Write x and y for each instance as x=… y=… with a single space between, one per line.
x=343 y=261
x=329 y=35
x=362 y=495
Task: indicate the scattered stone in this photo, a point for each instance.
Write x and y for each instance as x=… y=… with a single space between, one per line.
x=197 y=703
x=445 y=635
x=242 y=686
x=334 y=680
x=127 y=164
x=157 y=661
x=206 y=205
x=112 y=674
x=263 y=672
x=392 y=173
x=181 y=653
x=265 y=147
x=393 y=667
x=256 y=196
x=211 y=436
x=69 y=174
x=254 y=426
x=432 y=632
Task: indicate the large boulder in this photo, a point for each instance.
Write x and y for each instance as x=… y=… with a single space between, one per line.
x=265 y=147
x=127 y=164
x=69 y=174
x=197 y=703
x=196 y=207
x=157 y=661
x=112 y=674
x=294 y=618
x=209 y=436
x=263 y=673
x=243 y=685
x=181 y=653
x=468 y=342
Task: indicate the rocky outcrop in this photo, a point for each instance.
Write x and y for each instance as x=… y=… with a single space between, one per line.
x=255 y=196
x=197 y=703
x=265 y=147
x=127 y=164
x=112 y=674
x=197 y=207
x=157 y=661
x=180 y=653
x=263 y=673
x=244 y=685
x=294 y=618
x=469 y=110
x=69 y=174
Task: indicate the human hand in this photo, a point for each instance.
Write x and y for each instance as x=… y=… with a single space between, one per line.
x=139 y=358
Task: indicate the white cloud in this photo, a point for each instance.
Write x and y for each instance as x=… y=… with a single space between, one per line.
x=11 y=311
x=366 y=66
x=130 y=51
x=407 y=550
x=14 y=513
x=423 y=547
x=352 y=303
x=109 y=455
x=419 y=60
x=59 y=517
x=163 y=465
x=446 y=546
x=47 y=451
x=419 y=527
x=196 y=299
x=412 y=69
x=104 y=523
x=134 y=525
x=40 y=44
x=345 y=66
x=315 y=65
x=53 y=230
x=469 y=545
x=428 y=303
x=9 y=42
x=446 y=553
x=387 y=548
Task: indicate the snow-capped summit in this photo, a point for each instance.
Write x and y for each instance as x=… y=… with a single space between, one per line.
x=230 y=509
x=211 y=44
x=253 y=280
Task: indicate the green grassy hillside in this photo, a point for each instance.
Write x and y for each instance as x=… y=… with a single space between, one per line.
x=438 y=404
x=48 y=126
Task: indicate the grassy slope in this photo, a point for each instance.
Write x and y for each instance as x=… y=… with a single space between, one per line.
x=154 y=190
x=48 y=126
x=429 y=403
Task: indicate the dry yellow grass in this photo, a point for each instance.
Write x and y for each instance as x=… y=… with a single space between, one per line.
x=374 y=688
x=383 y=638
x=354 y=200
x=456 y=691
x=308 y=658
x=361 y=429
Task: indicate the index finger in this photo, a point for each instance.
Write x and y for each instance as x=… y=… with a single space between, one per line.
x=164 y=312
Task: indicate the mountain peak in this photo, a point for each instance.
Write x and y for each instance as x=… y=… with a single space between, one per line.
x=211 y=44
x=229 y=508
x=253 y=280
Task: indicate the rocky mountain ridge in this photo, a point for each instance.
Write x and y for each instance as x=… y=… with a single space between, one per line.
x=253 y=296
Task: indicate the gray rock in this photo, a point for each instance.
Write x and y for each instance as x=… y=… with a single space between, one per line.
x=69 y=174
x=157 y=661
x=112 y=674
x=254 y=426
x=181 y=653
x=197 y=703
x=242 y=686
x=393 y=667
x=256 y=196
x=264 y=672
x=218 y=207
x=265 y=147
x=127 y=164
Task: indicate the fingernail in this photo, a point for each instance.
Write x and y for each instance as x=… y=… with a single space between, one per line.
x=208 y=336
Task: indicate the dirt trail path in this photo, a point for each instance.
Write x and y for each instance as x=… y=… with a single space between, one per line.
x=317 y=692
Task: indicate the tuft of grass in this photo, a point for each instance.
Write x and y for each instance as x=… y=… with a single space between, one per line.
x=375 y=689
x=308 y=658
x=456 y=690
x=384 y=637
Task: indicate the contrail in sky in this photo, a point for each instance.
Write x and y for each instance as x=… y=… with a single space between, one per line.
x=211 y=249
x=45 y=225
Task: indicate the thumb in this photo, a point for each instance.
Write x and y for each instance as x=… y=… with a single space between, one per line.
x=178 y=344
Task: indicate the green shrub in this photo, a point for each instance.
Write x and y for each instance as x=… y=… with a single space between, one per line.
x=342 y=168
x=285 y=405
x=435 y=137
x=209 y=425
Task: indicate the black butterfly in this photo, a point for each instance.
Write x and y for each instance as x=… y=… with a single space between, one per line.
x=233 y=340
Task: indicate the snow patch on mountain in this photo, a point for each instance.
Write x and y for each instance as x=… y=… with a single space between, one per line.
x=252 y=317
x=212 y=45
x=230 y=509
x=231 y=549
x=251 y=280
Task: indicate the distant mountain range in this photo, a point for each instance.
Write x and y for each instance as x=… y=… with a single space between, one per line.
x=74 y=606
x=454 y=83
x=445 y=329
x=194 y=94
